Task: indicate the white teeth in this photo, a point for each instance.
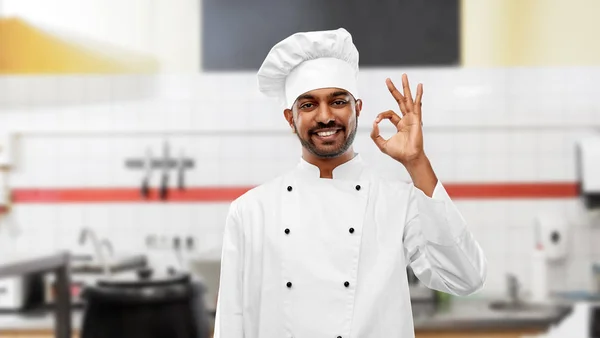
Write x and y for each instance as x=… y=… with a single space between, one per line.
x=326 y=133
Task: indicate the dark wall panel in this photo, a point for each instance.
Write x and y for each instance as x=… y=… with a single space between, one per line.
x=237 y=34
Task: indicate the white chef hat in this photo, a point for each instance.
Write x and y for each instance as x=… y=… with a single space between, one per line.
x=310 y=60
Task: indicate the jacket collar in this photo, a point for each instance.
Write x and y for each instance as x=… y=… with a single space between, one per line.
x=350 y=170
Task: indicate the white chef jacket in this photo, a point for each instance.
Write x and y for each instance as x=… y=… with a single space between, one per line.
x=306 y=257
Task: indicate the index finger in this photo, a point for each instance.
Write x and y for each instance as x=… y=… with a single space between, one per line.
x=390 y=115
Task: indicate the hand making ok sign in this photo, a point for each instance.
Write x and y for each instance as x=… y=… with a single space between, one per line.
x=406 y=145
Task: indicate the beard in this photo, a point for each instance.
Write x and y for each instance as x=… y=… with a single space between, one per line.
x=328 y=151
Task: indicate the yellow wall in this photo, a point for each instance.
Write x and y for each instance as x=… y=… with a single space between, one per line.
x=24 y=49
x=166 y=33
x=530 y=32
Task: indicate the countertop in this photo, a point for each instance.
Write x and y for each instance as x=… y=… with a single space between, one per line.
x=476 y=315
x=56 y=263
x=35 y=321
x=460 y=315
x=25 y=264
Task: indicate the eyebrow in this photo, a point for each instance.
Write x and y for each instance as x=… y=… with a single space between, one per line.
x=339 y=93
x=334 y=94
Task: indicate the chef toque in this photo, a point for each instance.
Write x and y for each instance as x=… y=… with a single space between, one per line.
x=307 y=61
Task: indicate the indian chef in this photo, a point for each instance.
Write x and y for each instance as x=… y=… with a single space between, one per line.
x=322 y=251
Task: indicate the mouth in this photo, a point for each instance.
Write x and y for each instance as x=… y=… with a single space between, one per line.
x=327 y=134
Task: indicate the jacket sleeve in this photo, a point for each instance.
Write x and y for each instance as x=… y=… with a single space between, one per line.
x=229 y=319
x=439 y=248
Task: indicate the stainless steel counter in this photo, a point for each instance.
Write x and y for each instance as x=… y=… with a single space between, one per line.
x=476 y=315
x=56 y=263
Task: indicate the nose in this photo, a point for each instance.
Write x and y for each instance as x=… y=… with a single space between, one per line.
x=324 y=114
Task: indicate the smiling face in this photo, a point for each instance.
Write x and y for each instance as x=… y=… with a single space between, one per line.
x=325 y=121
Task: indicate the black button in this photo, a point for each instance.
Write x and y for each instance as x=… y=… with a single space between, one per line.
x=339 y=336
x=358 y=187
x=351 y=230
x=289 y=188
x=346 y=284
x=287 y=231
x=555 y=236
x=289 y=284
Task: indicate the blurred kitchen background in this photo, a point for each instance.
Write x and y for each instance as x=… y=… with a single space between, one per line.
x=127 y=127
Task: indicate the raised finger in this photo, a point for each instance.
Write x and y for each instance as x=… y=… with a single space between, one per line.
x=397 y=96
x=407 y=94
x=389 y=115
x=418 y=102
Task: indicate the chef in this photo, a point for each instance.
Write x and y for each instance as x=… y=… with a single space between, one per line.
x=322 y=251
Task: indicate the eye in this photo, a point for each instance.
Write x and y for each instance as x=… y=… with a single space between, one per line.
x=339 y=102
x=306 y=105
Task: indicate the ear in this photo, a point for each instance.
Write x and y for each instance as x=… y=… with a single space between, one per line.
x=289 y=117
x=358 y=107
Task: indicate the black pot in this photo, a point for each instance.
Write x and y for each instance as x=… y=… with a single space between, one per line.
x=148 y=306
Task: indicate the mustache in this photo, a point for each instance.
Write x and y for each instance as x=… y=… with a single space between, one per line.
x=321 y=125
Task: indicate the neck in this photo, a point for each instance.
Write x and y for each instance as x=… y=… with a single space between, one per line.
x=326 y=165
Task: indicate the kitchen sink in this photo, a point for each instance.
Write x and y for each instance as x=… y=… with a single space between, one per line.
x=87 y=264
x=103 y=262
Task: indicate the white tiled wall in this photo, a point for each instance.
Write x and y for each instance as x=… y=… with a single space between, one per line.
x=481 y=125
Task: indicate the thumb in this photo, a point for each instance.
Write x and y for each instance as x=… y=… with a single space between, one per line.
x=378 y=139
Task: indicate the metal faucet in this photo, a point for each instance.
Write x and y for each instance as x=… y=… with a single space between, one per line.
x=89 y=233
x=513 y=288
x=109 y=247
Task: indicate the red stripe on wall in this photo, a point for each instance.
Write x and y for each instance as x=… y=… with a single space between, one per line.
x=227 y=194
x=107 y=195
x=512 y=190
